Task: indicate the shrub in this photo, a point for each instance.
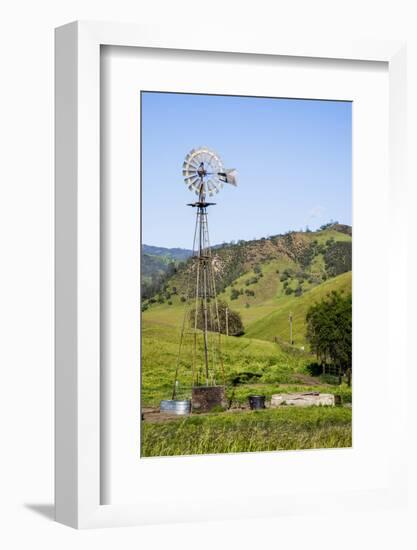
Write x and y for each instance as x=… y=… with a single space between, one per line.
x=234 y=320
x=234 y=294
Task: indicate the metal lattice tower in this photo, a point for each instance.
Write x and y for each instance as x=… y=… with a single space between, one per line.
x=204 y=174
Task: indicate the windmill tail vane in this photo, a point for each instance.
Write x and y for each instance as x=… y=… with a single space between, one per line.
x=229 y=176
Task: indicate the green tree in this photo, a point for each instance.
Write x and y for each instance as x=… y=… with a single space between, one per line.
x=338 y=258
x=329 y=331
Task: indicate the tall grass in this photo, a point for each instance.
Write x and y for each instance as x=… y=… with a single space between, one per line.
x=268 y=430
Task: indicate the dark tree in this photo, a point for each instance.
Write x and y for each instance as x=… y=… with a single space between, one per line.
x=234 y=320
x=329 y=331
x=338 y=258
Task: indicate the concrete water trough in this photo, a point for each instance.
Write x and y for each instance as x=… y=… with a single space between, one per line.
x=207 y=398
x=306 y=399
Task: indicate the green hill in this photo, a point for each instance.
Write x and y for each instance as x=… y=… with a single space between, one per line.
x=175 y=254
x=265 y=279
x=276 y=323
x=313 y=256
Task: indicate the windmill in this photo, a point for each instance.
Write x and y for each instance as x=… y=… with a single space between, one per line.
x=205 y=175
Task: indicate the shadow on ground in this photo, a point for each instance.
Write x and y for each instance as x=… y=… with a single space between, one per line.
x=45 y=510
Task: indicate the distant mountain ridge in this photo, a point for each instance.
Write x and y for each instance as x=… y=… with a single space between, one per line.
x=176 y=254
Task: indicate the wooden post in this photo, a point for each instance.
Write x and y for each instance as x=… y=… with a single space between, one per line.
x=227 y=321
x=290 y=320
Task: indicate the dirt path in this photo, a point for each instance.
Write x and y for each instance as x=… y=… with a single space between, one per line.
x=152 y=414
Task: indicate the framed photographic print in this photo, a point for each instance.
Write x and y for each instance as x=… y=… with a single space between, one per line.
x=216 y=206
x=235 y=323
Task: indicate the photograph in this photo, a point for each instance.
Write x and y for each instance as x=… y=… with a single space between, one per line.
x=246 y=274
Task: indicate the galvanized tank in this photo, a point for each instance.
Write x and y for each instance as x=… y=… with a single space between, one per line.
x=175 y=406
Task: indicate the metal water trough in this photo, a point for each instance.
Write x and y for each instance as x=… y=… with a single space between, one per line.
x=175 y=406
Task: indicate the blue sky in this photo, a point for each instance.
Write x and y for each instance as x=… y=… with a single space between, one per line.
x=294 y=162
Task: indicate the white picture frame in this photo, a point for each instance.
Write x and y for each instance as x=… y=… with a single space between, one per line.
x=78 y=405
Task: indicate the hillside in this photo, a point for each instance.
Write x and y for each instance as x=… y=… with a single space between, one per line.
x=157 y=264
x=266 y=279
x=276 y=323
x=317 y=254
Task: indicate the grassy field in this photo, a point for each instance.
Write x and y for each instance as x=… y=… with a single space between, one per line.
x=251 y=366
x=260 y=362
x=263 y=362
x=267 y=430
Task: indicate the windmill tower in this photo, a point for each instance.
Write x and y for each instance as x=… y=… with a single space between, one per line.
x=205 y=175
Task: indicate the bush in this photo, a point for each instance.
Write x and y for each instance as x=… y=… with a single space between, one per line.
x=235 y=324
x=234 y=294
x=315 y=369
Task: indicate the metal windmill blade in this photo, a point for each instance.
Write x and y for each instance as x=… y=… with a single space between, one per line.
x=204 y=173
